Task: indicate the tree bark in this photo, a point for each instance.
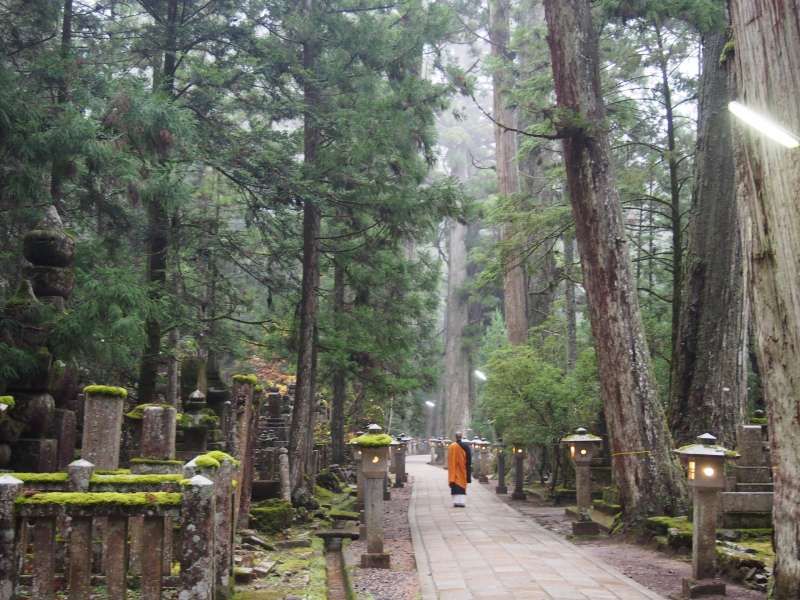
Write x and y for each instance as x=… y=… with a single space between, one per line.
x=767 y=59
x=158 y=226
x=570 y=307
x=515 y=287
x=301 y=432
x=456 y=361
x=649 y=478
x=339 y=381
x=709 y=359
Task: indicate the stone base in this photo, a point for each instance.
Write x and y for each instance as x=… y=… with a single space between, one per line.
x=156 y=469
x=585 y=528
x=387 y=495
x=501 y=489
x=362 y=532
x=518 y=495
x=375 y=561
x=483 y=479
x=695 y=588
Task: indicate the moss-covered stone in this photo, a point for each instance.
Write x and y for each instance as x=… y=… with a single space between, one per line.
x=241 y=378
x=662 y=524
x=155 y=479
x=137 y=412
x=105 y=390
x=102 y=498
x=373 y=440
x=758 y=421
x=221 y=456
x=272 y=516
x=205 y=461
x=8 y=401
x=154 y=461
x=42 y=477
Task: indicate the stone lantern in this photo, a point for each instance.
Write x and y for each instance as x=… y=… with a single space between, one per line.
x=374 y=447
x=485 y=464
x=399 y=448
x=583 y=446
x=519 y=473
x=705 y=472
x=500 y=450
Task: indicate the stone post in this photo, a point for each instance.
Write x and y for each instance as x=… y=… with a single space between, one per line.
x=102 y=425
x=10 y=488
x=374 y=558
x=704 y=533
x=243 y=390
x=80 y=475
x=583 y=492
x=283 y=470
x=519 y=474
x=501 y=471
x=197 y=578
x=750 y=445
x=399 y=465
x=158 y=433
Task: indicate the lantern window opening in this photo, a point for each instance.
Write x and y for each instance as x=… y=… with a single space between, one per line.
x=692 y=469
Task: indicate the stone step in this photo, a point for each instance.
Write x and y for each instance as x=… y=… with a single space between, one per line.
x=746 y=502
x=752 y=474
x=754 y=487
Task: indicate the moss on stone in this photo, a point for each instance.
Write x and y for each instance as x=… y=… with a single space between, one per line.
x=154 y=461
x=8 y=401
x=105 y=390
x=373 y=440
x=344 y=515
x=221 y=456
x=758 y=420
x=272 y=516
x=156 y=479
x=112 y=472
x=102 y=498
x=240 y=378
x=206 y=462
x=137 y=412
x=41 y=477
x=662 y=524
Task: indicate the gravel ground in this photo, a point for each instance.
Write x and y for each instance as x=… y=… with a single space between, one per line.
x=655 y=570
x=400 y=582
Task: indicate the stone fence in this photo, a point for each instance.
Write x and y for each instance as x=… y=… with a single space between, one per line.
x=78 y=530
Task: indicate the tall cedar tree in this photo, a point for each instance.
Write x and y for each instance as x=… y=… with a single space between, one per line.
x=649 y=478
x=766 y=38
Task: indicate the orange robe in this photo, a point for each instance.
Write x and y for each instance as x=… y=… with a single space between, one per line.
x=457 y=467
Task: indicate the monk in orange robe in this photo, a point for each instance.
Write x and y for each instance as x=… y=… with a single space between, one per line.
x=459 y=470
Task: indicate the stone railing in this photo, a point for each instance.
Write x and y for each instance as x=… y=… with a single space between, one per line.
x=49 y=523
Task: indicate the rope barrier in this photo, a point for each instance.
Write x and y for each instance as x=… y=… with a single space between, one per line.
x=630 y=453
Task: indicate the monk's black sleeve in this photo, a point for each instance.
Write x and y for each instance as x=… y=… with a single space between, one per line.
x=469 y=462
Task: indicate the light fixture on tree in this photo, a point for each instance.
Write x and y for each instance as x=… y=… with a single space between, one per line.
x=764 y=125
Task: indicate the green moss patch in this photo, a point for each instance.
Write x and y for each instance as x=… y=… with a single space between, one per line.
x=251 y=379
x=662 y=525
x=156 y=479
x=103 y=498
x=105 y=390
x=221 y=456
x=373 y=440
x=137 y=412
x=8 y=401
x=272 y=516
x=206 y=462
x=113 y=472
x=154 y=461
x=41 y=477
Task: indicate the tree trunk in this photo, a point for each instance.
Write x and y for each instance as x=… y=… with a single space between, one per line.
x=515 y=287
x=158 y=226
x=767 y=56
x=301 y=433
x=569 y=302
x=339 y=381
x=709 y=360
x=648 y=476
x=456 y=361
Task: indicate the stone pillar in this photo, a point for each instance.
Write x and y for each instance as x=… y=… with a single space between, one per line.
x=243 y=389
x=704 y=535
x=501 y=472
x=10 y=488
x=750 y=445
x=197 y=578
x=102 y=425
x=158 y=433
x=583 y=491
x=519 y=475
x=374 y=467
x=283 y=470
x=80 y=475
x=65 y=429
x=399 y=465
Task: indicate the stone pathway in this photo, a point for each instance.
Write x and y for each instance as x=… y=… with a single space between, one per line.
x=489 y=550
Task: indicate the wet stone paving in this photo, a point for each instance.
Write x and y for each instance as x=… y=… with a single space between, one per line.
x=489 y=550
